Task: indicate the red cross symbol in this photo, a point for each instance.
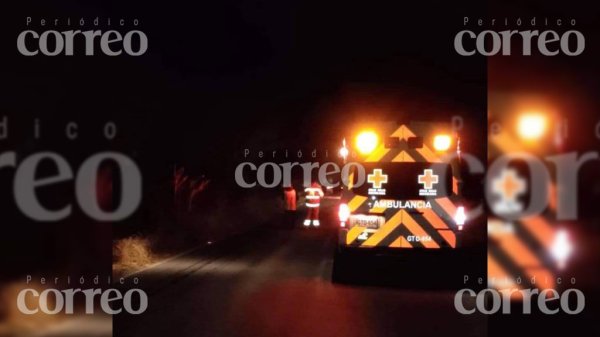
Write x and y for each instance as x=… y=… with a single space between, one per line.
x=428 y=179
x=377 y=178
x=509 y=185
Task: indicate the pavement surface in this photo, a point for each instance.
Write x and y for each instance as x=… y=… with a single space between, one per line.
x=277 y=282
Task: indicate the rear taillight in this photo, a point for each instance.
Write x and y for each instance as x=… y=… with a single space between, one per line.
x=344 y=214
x=460 y=217
x=561 y=248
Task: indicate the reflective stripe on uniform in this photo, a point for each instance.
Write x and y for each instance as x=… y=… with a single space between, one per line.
x=313 y=190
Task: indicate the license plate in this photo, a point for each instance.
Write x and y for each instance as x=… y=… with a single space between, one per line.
x=367 y=221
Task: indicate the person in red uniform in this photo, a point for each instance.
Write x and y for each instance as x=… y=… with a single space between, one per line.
x=314 y=193
x=290 y=198
x=289 y=215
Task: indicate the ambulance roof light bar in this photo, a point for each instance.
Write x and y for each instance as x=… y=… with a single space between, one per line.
x=442 y=142
x=366 y=142
x=531 y=126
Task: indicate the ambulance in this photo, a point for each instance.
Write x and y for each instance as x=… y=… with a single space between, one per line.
x=403 y=193
x=525 y=249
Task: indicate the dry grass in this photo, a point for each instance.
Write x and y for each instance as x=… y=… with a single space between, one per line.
x=132 y=254
x=15 y=323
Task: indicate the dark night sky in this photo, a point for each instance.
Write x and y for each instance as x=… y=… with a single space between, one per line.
x=218 y=75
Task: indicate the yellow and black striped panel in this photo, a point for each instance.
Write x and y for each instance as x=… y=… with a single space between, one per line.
x=402 y=226
x=520 y=248
x=435 y=222
x=403 y=153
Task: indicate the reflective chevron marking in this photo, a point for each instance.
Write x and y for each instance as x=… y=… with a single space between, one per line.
x=356 y=202
x=417 y=230
x=425 y=228
x=384 y=231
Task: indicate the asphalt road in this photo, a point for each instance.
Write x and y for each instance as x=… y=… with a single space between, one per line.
x=277 y=282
